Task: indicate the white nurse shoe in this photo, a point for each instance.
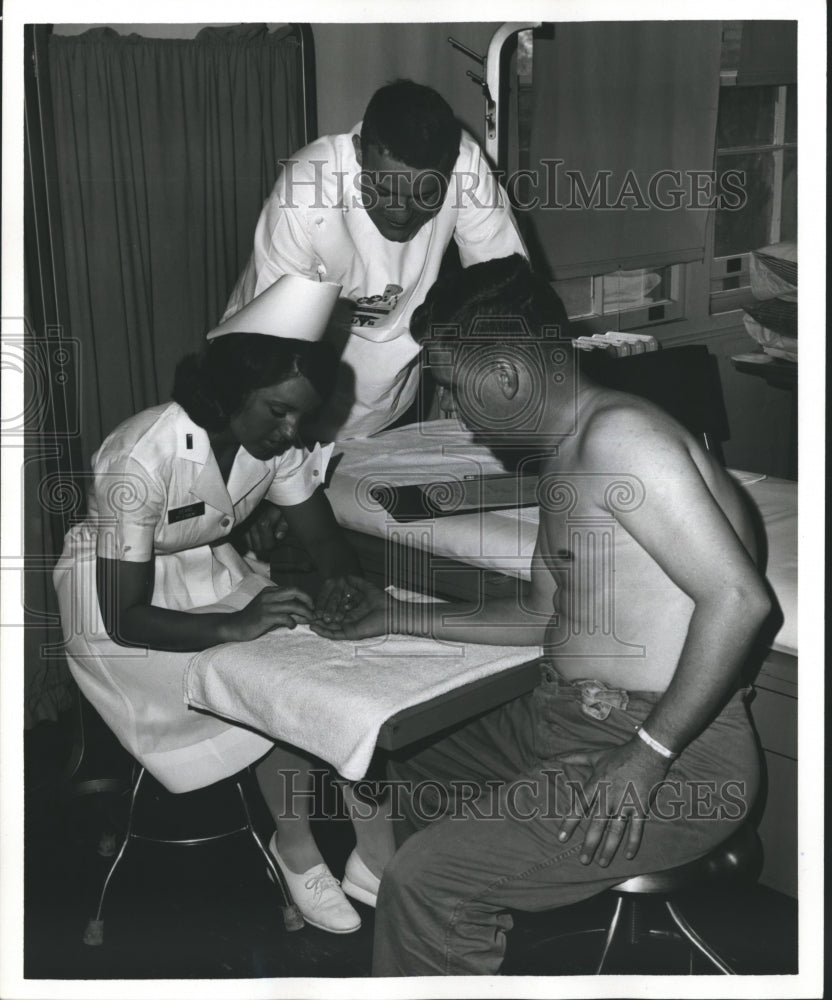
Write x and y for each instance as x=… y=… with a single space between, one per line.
x=319 y=896
x=359 y=882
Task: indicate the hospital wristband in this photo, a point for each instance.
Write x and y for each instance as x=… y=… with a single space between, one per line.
x=660 y=748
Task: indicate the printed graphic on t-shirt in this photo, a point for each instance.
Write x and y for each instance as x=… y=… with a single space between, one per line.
x=373 y=310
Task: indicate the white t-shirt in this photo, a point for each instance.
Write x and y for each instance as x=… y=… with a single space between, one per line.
x=314 y=224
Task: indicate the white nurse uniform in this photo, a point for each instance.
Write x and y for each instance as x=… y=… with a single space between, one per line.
x=158 y=490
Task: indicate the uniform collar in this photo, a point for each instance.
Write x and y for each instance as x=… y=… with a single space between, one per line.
x=247 y=472
x=192 y=445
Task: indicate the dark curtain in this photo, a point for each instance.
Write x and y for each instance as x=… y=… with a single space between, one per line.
x=147 y=162
x=47 y=359
x=166 y=150
x=630 y=99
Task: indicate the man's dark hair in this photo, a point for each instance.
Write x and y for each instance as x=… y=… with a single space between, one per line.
x=499 y=300
x=412 y=124
x=212 y=385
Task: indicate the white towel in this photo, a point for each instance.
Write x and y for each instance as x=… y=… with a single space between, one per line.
x=331 y=698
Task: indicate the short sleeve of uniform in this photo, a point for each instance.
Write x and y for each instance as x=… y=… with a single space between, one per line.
x=281 y=241
x=486 y=227
x=131 y=503
x=298 y=474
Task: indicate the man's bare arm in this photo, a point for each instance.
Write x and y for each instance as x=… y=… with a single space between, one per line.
x=506 y=621
x=684 y=529
x=503 y=621
x=681 y=525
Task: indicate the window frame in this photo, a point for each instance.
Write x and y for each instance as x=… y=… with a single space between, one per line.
x=701 y=308
x=666 y=310
x=726 y=268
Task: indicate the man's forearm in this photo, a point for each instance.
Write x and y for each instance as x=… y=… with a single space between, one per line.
x=719 y=639
x=499 y=622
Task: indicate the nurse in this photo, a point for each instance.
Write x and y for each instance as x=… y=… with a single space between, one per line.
x=150 y=577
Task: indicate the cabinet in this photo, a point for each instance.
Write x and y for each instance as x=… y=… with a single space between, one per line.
x=774 y=711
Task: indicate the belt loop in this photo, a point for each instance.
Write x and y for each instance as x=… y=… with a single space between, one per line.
x=548 y=674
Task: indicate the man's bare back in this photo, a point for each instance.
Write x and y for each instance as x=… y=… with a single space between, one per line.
x=618 y=615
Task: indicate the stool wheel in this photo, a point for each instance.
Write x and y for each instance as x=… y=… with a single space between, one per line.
x=94 y=932
x=107 y=844
x=292 y=919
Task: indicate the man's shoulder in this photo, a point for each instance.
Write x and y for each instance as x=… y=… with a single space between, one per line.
x=621 y=444
x=471 y=154
x=316 y=174
x=328 y=148
x=618 y=426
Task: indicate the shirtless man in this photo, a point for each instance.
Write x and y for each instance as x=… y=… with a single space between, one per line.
x=635 y=753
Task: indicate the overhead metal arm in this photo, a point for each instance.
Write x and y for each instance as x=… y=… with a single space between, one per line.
x=493 y=82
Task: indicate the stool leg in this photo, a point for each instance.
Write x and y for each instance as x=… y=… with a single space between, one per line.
x=78 y=738
x=292 y=919
x=610 y=934
x=697 y=941
x=94 y=931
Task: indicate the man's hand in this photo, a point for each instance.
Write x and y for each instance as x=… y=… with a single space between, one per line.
x=361 y=613
x=618 y=792
x=337 y=597
x=268 y=526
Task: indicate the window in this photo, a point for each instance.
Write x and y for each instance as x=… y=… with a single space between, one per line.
x=618 y=125
x=751 y=147
x=757 y=141
x=623 y=300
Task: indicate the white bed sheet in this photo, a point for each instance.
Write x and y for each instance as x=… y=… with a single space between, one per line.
x=504 y=540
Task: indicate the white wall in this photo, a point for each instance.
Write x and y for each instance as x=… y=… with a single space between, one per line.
x=354 y=60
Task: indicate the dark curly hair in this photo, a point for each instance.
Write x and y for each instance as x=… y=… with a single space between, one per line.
x=501 y=299
x=213 y=384
x=413 y=124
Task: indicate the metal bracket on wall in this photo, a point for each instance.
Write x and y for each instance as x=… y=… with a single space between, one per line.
x=490 y=103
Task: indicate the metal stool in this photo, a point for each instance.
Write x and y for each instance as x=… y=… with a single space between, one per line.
x=292 y=919
x=82 y=775
x=735 y=862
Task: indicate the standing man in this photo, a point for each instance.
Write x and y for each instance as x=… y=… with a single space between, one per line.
x=374 y=210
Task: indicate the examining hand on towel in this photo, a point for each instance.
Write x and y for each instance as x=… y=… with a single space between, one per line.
x=365 y=611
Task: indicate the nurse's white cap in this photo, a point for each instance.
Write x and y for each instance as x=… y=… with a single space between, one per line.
x=294 y=307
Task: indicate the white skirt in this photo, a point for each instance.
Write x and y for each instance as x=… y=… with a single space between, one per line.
x=139 y=692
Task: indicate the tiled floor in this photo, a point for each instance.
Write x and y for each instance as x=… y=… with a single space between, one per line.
x=210 y=912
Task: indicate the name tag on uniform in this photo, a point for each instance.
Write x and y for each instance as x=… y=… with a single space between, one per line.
x=183 y=513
